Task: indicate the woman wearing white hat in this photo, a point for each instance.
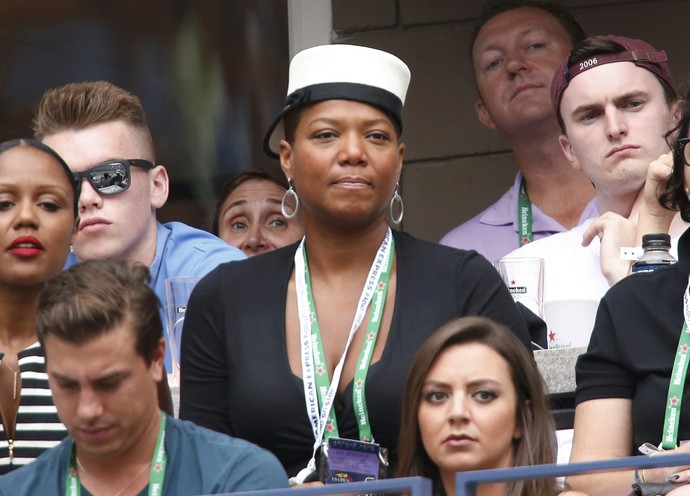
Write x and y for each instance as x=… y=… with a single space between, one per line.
x=278 y=349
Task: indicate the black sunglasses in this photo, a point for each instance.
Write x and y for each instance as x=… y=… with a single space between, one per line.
x=112 y=177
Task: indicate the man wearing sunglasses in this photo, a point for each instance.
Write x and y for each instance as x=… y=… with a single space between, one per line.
x=102 y=133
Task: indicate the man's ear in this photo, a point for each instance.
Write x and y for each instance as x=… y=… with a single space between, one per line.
x=483 y=114
x=158 y=361
x=568 y=151
x=160 y=186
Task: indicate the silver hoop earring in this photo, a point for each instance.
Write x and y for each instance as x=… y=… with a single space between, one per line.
x=396 y=198
x=290 y=193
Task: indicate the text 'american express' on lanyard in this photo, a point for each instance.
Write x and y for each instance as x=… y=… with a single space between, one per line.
x=676 y=385
x=317 y=387
x=524 y=216
x=156 y=475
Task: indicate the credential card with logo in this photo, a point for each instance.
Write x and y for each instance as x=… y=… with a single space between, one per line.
x=348 y=460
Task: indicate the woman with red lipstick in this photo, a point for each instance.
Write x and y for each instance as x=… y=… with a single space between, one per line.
x=312 y=342
x=475 y=400
x=38 y=221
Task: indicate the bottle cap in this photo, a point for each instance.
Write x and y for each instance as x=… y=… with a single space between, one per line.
x=656 y=239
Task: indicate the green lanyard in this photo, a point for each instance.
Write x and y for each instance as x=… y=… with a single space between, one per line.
x=676 y=384
x=322 y=379
x=156 y=477
x=524 y=215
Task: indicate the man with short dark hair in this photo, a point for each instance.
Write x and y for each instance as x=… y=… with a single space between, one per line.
x=99 y=326
x=515 y=50
x=616 y=99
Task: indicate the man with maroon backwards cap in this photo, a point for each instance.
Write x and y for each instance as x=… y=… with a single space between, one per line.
x=615 y=107
x=615 y=98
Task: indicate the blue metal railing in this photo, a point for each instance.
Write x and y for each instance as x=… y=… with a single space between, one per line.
x=466 y=482
x=413 y=486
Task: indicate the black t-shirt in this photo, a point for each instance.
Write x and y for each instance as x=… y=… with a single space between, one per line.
x=633 y=346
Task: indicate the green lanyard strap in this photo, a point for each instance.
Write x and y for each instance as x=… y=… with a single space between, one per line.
x=322 y=378
x=676 y=385
x=156 y=477
x=524 y=216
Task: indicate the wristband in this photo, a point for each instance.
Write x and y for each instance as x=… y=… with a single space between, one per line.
x=632 y=253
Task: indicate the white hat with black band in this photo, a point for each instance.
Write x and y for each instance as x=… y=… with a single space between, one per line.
x=342 y=72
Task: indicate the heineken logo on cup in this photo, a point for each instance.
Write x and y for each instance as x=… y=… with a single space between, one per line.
x=524 y=278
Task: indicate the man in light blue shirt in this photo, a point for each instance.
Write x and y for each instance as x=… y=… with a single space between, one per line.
x=102 y=133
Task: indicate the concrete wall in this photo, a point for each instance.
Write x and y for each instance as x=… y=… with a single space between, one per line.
x=455 y=167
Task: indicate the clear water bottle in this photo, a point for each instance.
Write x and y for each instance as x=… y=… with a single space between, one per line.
x=656 y=255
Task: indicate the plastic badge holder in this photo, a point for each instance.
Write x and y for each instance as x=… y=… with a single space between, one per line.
x=348 y=460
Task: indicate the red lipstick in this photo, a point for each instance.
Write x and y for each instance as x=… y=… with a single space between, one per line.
x=26 y=246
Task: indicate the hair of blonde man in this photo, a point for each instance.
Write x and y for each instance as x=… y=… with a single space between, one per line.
x=77 y=106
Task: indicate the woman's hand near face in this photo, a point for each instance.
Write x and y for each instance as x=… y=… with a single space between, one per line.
x=653 y=217
x=615 y=231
